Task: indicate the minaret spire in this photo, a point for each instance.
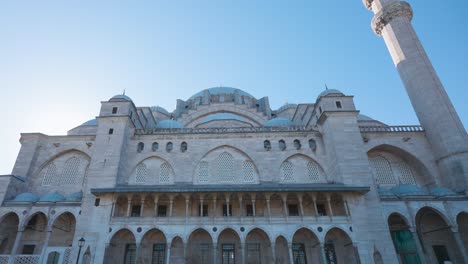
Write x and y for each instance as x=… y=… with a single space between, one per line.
x=444 y=130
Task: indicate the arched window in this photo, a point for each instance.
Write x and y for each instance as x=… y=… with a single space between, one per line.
x=267 y=145
x=287 y=172
x=404 y=173
x=248 y=171
x=50 y=175
x=313 y=171
x=165 y=173
x=140 y=147
x=312 y=144
x=70 y=171
x=183 y=146
x=225 y=167
x=383 y=170
x=203 y=172
x=297 y=144
x=282 y=144
x=155 y=146
x=169 y=146
x=141 y=171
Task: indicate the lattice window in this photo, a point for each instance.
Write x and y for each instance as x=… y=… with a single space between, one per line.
x=70 y=171
x=50 y=175
x=203 y=172
x=383 y=170
x=225 y=167
x=248 y=171
x=27 y=259
x=406 y=175
x=287 y=171
x=313 y=171
x=66 y=256
x=141 y=171
x=165 y=173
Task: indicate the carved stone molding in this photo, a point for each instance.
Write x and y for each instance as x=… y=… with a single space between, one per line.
x=388 y=13
x=368 y=3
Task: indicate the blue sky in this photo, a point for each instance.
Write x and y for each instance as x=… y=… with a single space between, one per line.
x=59 y=59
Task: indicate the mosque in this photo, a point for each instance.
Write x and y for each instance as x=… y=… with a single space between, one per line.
x=225 y=179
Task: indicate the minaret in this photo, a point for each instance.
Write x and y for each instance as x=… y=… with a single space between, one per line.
x=444 y=130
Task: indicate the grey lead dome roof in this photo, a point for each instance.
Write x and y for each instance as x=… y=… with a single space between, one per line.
x=329 y=92
x=120 y=97
x=278 y=122
x=221 y=90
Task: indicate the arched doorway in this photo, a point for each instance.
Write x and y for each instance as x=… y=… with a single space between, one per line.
x=121 y=249
x=281 y=250
x=305 y=247
x=462 y=222
x=339 y=248
x=200 y=249
x=8 y=230
x=229 y=247
x=258 y=247
x=177 y=251
x=153 y=247
x=34 y=235
x=61 y=238
x=403 y=241
x=437 y=237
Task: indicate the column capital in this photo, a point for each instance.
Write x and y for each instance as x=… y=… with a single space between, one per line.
x=388 y=13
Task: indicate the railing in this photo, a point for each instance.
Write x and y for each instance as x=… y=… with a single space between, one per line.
x=4 y=259
x=27 y=259
x=222 y=130
x=391 y=128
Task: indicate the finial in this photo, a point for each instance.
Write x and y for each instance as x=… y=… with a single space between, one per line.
x=123 y=92
x=326 y=87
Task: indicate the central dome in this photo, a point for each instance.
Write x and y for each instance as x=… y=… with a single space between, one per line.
x=221 y=90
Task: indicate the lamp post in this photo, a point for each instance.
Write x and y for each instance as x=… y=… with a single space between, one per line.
x=80 y=244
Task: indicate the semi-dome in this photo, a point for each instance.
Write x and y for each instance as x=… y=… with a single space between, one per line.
x=92 y=122
x=169 y=123
x=441 y=191
x=286 y=106
x=330 y=92
x=120 y=98
x=408 y=190
x=74 y=197
x=52 y=197
x=278 y=122
x=160 y=109
x=26 y=197
x=223 y=116
x=221 y=90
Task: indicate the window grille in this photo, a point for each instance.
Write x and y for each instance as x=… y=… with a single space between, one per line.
x=130 y=254
x=313 y=172
x=228 y=254
x=159 y=254
x=165 y=173
x=141 y=172
x=70 y=171
x=383 y=170
x=405 y=173
x=287 y=171
x=225 y=167
x=50 y=175
x=253 y=253
x=248 y=171
x=203 y=172
x=299 y=255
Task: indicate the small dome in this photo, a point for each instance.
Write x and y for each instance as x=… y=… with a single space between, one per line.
x=169 y=123
x=279 y=121
x=92 y=122
x=221 y=90
x=441 y=191
x=52 y=197
x=120 y=98
x=408 y=190
x=223 y=116
x=385 y=192
x=285 y=107
x=74 y=197
x=160 y=109
x=330 y=92
x=26 y=197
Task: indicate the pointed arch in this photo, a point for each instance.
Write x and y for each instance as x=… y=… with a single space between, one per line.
x=152 y=170
x=301 y=168
x=122 y=247
x=9 y=224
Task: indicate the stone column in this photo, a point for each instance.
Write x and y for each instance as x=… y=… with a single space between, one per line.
x=324 y=255
x=330 y=207
x=171 y=205
x=129 y=206
x=240 y=207
x=273 y=252
x=215 y=253
x=138 y=253
x=314 y=201
x=187 y=202
x=14 y=250
x=348 y=214
x=45 y=245
x=215 y=211
x=291 y=257
x=156 y=200
x=243 y=256
x=301 y=207
x=201 y=207
x=460 y=244
x=168 y=255
x=227 y=205
x=443 y=128
x=284 y=198
x=267 y=196
x=142 y=207
x=418 y=245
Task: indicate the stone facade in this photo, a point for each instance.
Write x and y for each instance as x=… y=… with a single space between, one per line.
x=226 y=179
